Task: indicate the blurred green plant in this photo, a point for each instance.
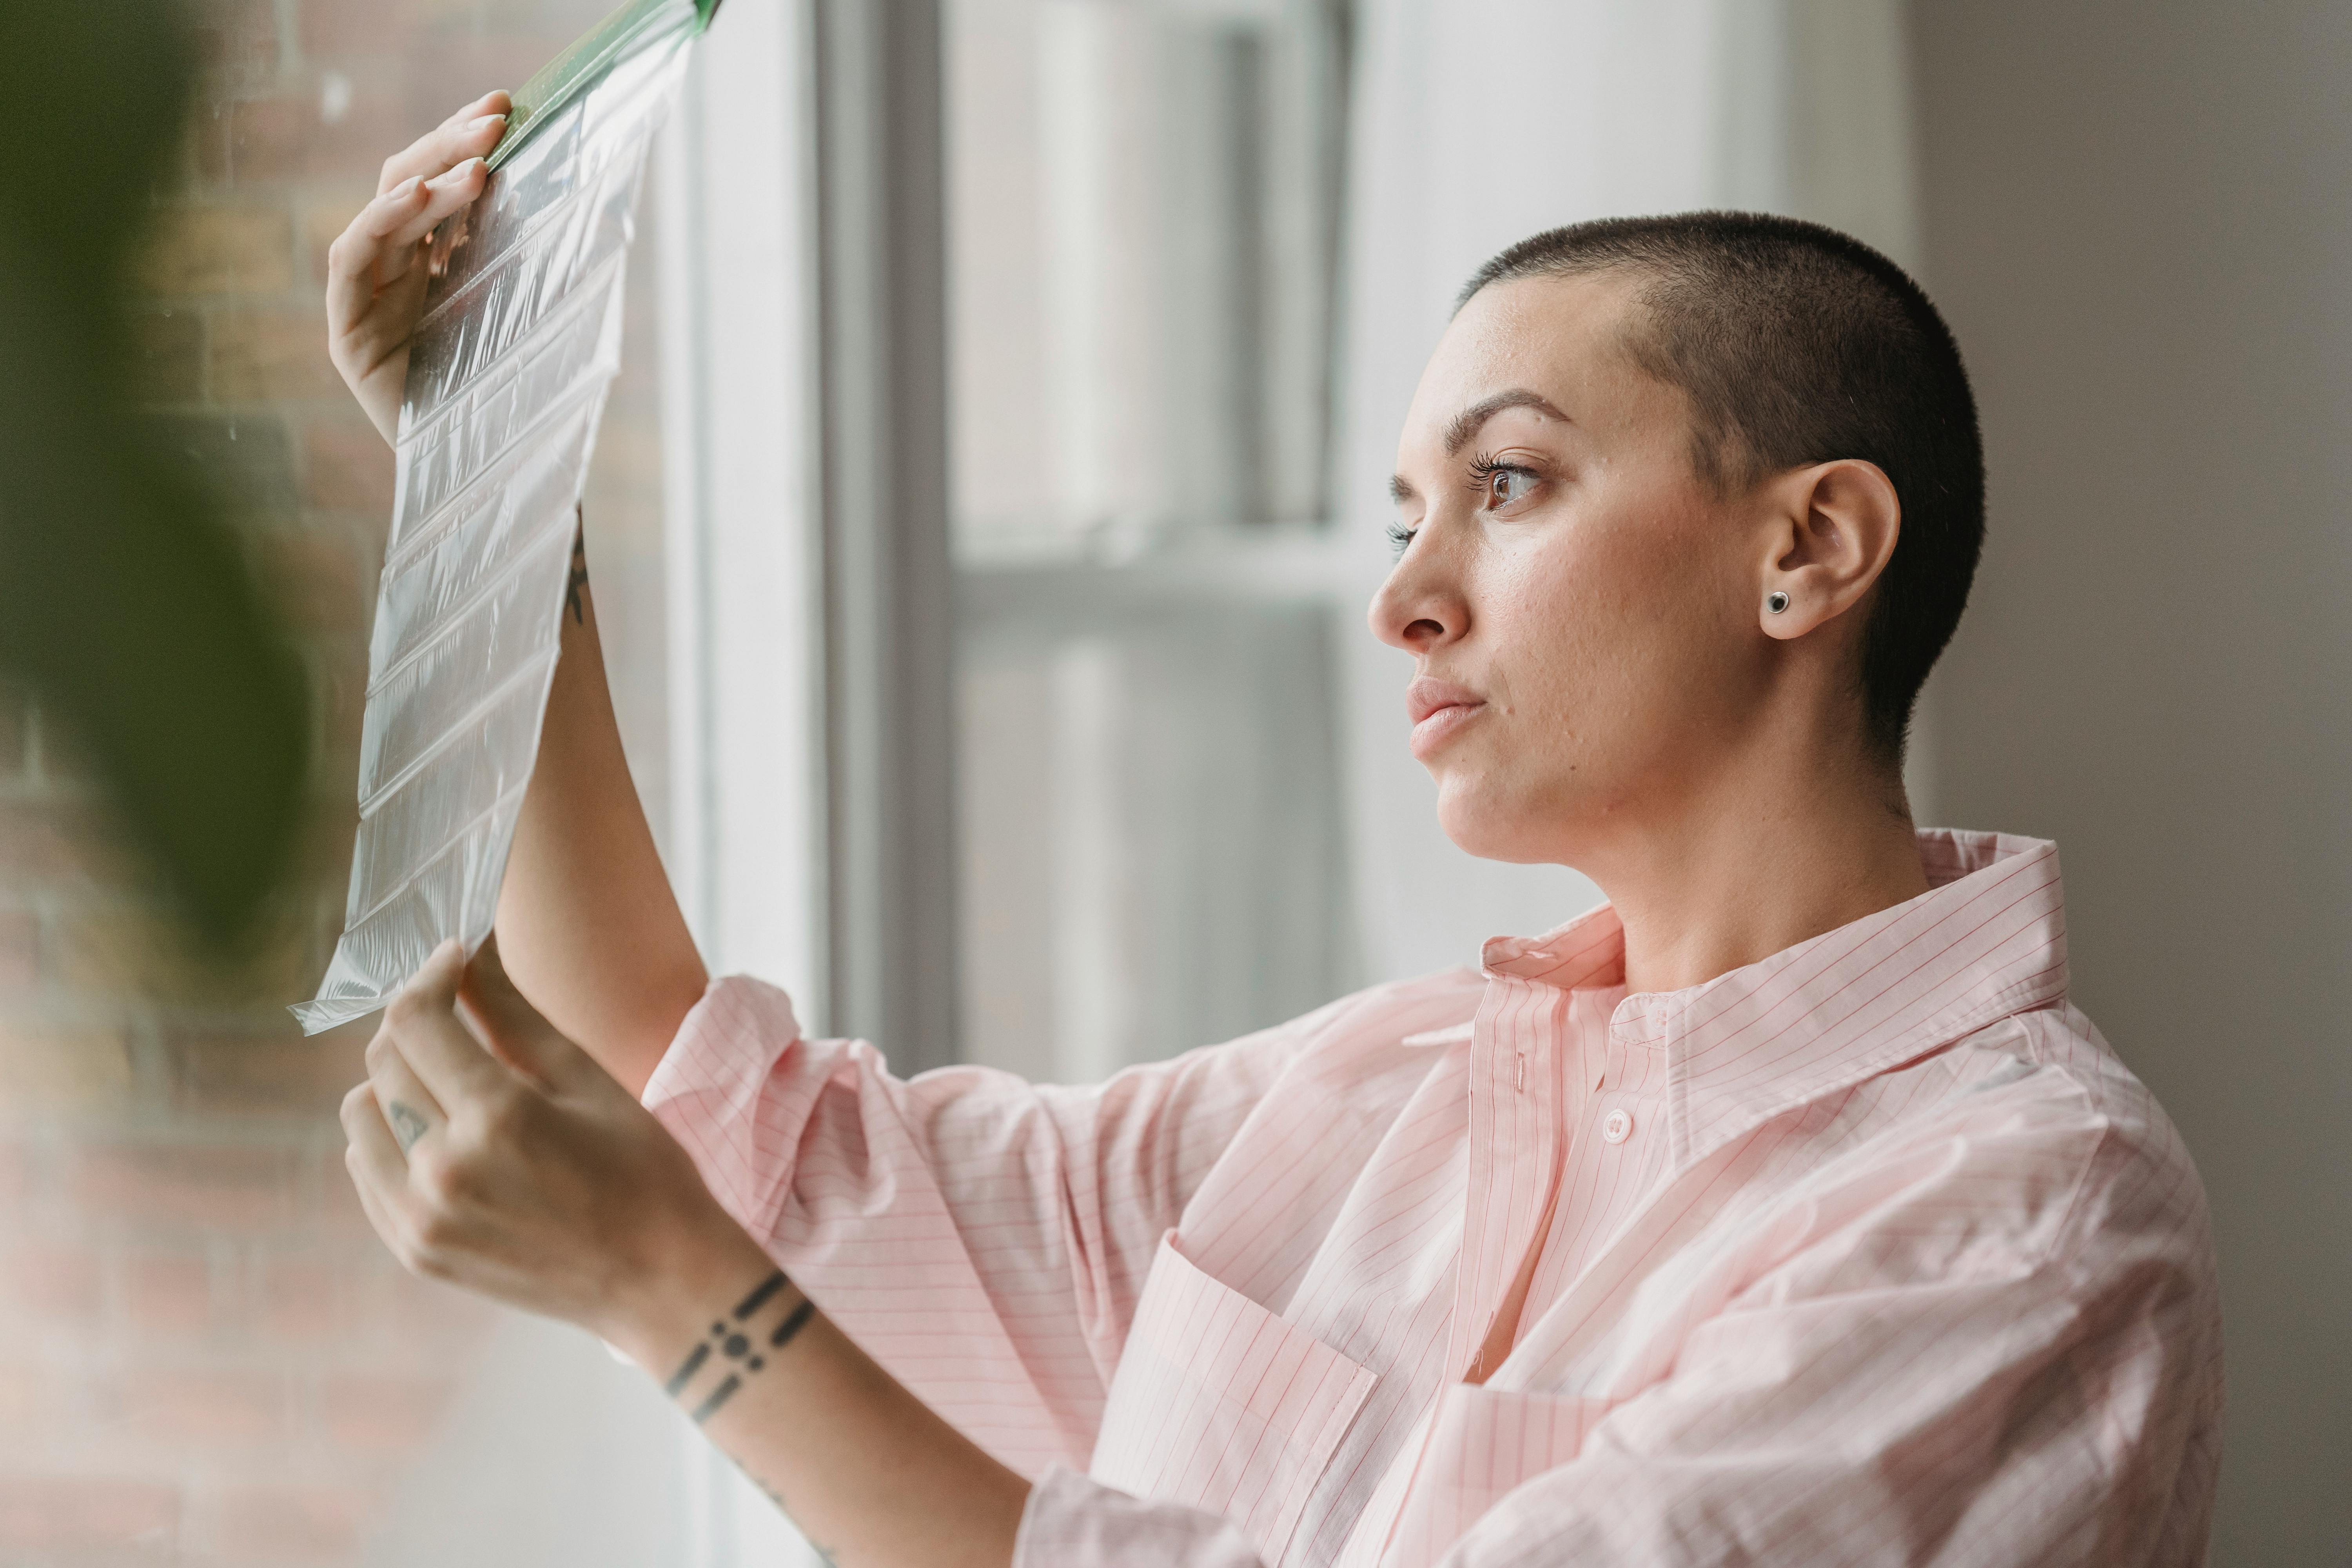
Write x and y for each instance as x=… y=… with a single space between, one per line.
x=126 y=604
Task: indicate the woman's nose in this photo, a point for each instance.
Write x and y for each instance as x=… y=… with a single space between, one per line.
x=1416 y=609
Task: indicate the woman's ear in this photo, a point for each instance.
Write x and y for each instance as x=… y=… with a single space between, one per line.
x=1835 y=528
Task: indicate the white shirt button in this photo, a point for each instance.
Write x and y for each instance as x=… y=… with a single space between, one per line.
x=1617 y=1126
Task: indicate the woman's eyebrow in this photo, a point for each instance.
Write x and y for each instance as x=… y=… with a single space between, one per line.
x=1466 y=423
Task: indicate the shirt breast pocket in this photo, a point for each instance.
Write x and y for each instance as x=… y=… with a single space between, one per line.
x=1220 y=1404
x=1484 y=1443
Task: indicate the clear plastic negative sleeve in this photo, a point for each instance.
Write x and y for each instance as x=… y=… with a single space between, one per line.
x=520 y=338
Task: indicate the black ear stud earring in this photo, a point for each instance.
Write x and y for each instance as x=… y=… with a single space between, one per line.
x=1776 y=601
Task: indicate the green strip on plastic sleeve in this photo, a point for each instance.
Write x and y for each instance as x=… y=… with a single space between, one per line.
x=559 y=80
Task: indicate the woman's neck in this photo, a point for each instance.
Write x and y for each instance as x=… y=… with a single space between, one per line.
x=1768 y=855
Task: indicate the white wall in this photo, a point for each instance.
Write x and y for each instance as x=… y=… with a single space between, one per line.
x=2136 y=216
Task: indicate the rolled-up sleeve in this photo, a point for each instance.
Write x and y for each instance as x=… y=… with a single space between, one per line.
x=982 y=1238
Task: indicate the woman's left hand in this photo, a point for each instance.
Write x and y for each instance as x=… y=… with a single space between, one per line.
x=492 y=1153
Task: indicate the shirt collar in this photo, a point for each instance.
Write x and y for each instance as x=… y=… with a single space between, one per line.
x=1987 y=940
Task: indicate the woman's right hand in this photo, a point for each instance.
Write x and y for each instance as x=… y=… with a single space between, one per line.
x=376 y=267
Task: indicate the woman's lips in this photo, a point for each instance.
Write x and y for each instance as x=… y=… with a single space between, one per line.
x=1438 y=709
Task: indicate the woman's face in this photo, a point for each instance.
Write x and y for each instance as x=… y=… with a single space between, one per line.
x=1580 y=606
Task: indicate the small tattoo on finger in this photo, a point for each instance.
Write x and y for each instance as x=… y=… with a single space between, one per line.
x=406 y=1125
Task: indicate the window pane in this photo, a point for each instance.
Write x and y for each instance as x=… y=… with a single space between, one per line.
x=1153 y=852
x=1142 y=199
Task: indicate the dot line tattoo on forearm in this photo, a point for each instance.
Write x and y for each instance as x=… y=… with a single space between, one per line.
x=407 y=1126
x=735 y=1346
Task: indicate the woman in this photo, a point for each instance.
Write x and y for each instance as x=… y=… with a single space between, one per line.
x=1780 y=1210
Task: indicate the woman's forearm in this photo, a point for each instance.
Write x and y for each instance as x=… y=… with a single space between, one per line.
x=590 y=929
x=867 y=1471
x=489 y=1150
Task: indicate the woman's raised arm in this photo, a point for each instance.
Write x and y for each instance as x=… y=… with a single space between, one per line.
x=591 y=931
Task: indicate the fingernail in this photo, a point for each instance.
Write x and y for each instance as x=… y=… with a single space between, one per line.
x=484 y=123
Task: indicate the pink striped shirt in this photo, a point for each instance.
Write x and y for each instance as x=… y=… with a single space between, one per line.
x=1871 y=1252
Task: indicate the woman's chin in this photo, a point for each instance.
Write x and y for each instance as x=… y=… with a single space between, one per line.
x=1488 y=823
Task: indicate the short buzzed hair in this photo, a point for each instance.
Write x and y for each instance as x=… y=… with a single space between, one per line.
x=1798 y=344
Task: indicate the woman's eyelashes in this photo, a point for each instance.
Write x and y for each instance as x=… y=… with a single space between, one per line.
x=1496 y=483
x=1499 y=484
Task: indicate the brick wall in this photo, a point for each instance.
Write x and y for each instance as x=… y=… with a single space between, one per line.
x=205 y=1356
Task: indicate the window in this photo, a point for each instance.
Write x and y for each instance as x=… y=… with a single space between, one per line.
x=1143 y=204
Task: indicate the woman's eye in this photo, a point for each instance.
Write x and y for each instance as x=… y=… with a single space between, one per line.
x=1504 y=486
